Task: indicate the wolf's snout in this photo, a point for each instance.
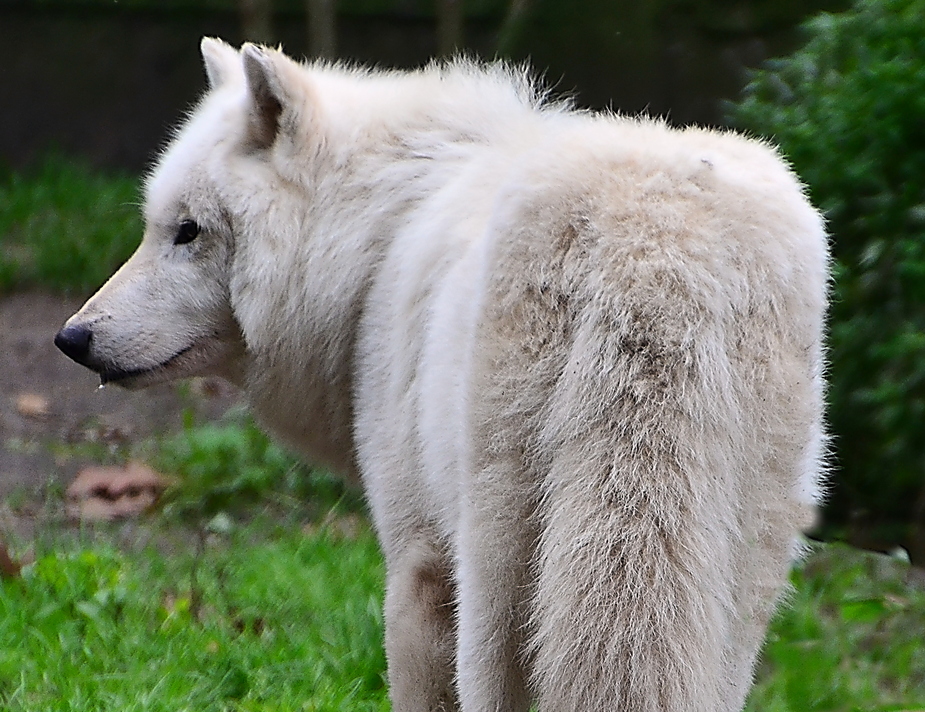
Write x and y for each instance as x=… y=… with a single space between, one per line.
x=74 y=340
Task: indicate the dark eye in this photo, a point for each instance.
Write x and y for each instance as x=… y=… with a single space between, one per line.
x=188 y=231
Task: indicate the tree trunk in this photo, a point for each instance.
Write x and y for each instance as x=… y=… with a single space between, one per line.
x=256 y=20
x=449 y=26
x=322 y=28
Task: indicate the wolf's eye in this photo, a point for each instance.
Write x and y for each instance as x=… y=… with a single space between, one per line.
x=188 y=231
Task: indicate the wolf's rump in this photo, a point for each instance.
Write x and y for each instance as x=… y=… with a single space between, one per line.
x=667 y=397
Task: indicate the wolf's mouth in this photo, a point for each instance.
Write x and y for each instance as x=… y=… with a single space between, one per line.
x=123 y=376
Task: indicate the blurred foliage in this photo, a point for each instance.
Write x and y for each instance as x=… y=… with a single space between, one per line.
x=65 y=226
x=847 y=639
x=848 y=110
x=231 y=465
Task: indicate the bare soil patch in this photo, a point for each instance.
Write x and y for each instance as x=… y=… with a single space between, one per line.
x=46 y=399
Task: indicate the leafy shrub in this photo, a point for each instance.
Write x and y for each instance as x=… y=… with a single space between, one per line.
x=848 y=110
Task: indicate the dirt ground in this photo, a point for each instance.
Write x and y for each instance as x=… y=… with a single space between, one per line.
x=45 y=398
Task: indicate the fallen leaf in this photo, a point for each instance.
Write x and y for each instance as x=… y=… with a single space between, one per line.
x=108 y=493
x=9 y=567
x=32 y=405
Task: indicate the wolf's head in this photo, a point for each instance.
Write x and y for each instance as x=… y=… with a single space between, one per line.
x=175 y=308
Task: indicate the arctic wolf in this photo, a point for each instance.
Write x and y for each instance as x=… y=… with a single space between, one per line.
x=576 y=361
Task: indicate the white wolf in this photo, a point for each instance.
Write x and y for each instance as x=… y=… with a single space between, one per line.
x=575 y=359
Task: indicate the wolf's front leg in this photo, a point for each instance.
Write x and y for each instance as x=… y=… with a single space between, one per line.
x=419 y=630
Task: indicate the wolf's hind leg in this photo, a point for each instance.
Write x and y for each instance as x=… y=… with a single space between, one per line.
x=494 y=554
x=420 y=632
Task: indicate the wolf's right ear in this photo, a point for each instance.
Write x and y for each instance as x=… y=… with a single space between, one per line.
x=221 y=60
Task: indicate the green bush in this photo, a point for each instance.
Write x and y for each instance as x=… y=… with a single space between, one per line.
x=848 y=110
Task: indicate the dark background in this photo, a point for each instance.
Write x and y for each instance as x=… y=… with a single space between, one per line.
x=105 y=80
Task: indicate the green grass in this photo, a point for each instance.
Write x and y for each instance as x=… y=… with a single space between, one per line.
x=270 y=616
x=65 y=227
x=266 y=618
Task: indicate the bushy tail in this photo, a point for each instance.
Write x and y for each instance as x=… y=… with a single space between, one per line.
x=651 y=445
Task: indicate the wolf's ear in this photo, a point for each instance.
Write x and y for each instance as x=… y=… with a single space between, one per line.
x=220 y=60
x=277 y=94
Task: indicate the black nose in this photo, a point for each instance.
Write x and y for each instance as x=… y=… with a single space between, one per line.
x=74 y=341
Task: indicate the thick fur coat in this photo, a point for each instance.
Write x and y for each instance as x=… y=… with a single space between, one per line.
x=576 y=361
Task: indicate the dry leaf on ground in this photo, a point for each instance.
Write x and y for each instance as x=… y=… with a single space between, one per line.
x=107 y=493
x=9 y=567
x=32 y=405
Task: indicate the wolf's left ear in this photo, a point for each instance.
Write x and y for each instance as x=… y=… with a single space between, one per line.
x=277 y=94
x=220 y=60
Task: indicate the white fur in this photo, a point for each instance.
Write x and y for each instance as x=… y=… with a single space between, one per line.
x=576 y=360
